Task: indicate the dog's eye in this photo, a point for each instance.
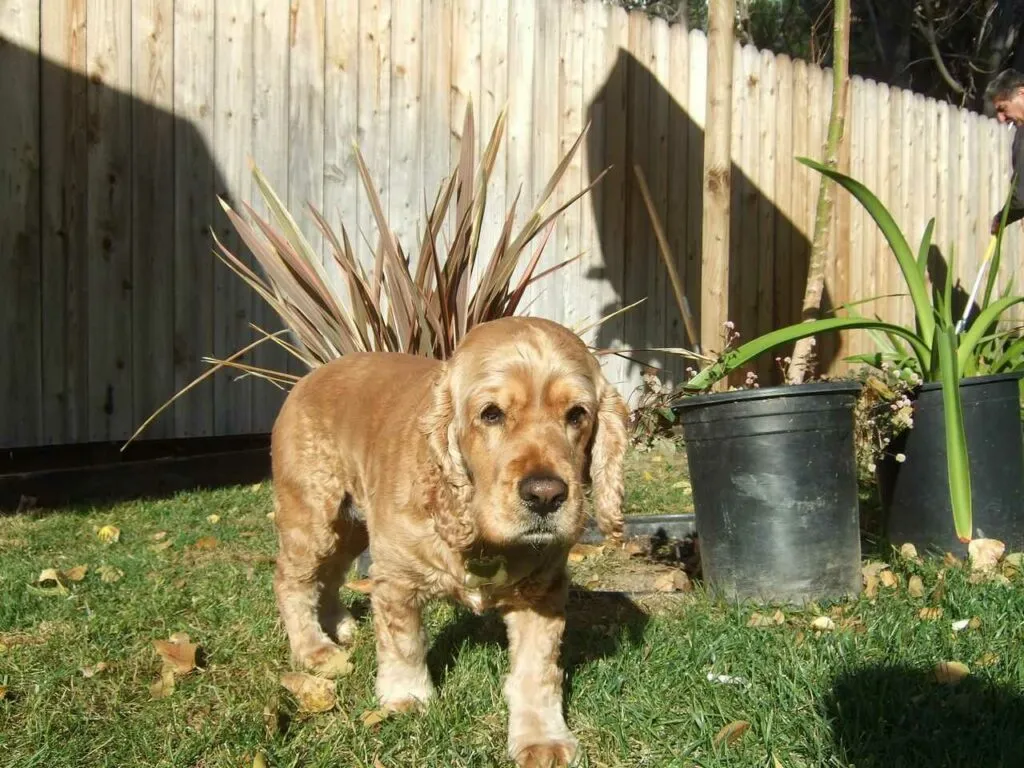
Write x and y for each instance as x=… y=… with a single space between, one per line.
x=576 y=415
x=492 y=415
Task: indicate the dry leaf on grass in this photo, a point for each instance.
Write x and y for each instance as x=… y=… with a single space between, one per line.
x=909 y=552
x=581 y=552
x=930 y=613
x=177 y=653
x=109 y=534
x=50 y=582
x=377 y=763
x=3 y=692
x=823 y=624
x=164 y=686
x=109 y=574
x=159 y=536
x=206 y=542
x=915 y=587
x=160 y=546
x=363 y=586
x=77 y=573
x=664 y=582
x=94 y=669
x=987 y=660
x=760 y=620
x=1015 y=560
x=950 y=672
x=951 y=561
x=681 y=581
x=648 y=477
x=870 y=573
x=260 y=761
x=732 y=732
x=372 y=717
x=314 y=694
x=213 y=519
x=889 y=579
x=984 y=554
x=961 y=625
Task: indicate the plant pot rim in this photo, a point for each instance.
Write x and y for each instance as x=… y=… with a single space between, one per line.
x=767 y=393
x=970 y=381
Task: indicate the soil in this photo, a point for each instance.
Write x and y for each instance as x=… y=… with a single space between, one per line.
x=642 y=565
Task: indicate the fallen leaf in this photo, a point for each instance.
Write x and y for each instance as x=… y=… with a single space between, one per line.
x=363 y=586
x=377 y=763
x=760 y=620
x=159 y=536
x=338 y=665
x=177 y=653
x=206 y=542
x=987 y=660
x=950 y=672
x=634 y=548
x=161 y=546
x=77 y=573
x=109 y=574
x=681 y=582
x=951 y=561
x=664 y=582
x=959 y=626
x=372 y=717
x=682 y=485
x=93 y=670
x=314 y=694
x=109 y=534
x=255 y=486
x=164 y=686
x=974 y=623
x=985 y=553
x=915 y=587
x=648 y=477
x=889 y=579
x=732 y=732
x=3 y=692
x=823 y=624
x=1015 y=559
x=581 y=551
x=213 y=519
x=870 y=572
x=909 y=552
x=49 y=581
x=930 y=614
x=260 y=761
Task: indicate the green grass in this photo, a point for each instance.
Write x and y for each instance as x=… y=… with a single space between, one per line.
x=657 y=482
x=638 y=688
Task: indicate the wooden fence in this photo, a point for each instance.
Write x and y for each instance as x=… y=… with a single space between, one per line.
x=122 y=122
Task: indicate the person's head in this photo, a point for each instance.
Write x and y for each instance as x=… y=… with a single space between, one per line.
x=1005 y=94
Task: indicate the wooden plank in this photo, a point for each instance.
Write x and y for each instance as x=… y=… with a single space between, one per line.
x=374 y=134
x=20 y=290
x=546 y=297
x=733 y=304
x=153 y=231
x=109 y=235
x=804 y=184
x=465 y=81
x=765 y=184
x=437 y=77
x=306 y=115
x=193 y=201
x=406 y=212
x=493 y=97
x=570 y=125
x=341 y=106
x=519 y=168
x=904 y=306
x=612 y=220
x=747 y=214
x=844 y=256
x=640 y=243
x=896 y=192
x=657 y=132
x=969 y=253
x=63 y=177
x=696 y=108
x=678 y=189
x=232 y=137
x=869 y=175
x=270 y=76
x=783 y=310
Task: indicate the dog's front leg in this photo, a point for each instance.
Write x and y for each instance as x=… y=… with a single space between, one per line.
x=403 y=681
x=537 y=733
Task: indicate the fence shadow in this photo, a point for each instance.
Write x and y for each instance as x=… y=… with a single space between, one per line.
x=900 y=717
x=637 y=122
x=111 y=290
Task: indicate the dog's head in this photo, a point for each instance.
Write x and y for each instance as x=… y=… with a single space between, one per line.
x=522 y=422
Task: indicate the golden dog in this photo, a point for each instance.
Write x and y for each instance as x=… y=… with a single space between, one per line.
x=466 y=479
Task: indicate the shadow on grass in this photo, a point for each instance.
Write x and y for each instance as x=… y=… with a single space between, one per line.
x=901 y=717
x=597 y=625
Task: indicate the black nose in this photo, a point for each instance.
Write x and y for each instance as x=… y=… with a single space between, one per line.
x=543 y=493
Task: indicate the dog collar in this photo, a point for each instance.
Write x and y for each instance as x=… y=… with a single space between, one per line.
x=486 y=571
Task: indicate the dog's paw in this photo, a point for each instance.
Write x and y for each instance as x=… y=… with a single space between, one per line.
x=328 y=660
x=345 y=630
x=552 y=754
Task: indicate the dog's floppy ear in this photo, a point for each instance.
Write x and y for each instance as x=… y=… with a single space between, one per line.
x=450 y=486
x=608 y=449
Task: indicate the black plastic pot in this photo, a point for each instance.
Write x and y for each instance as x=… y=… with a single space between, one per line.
x=775 y=491
x=915 y=493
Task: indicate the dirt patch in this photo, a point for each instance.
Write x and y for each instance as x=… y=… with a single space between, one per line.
x=642 y=565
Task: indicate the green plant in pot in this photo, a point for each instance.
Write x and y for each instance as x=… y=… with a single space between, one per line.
x=957 y=472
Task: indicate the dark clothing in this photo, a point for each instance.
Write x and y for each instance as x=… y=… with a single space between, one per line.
x=1017 y=165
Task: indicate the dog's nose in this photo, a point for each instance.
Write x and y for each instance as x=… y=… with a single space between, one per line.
x=543 y=493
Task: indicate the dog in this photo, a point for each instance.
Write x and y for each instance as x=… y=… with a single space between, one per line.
x=467 y=480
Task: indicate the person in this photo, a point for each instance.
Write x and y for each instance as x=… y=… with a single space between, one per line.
x=1005 y=94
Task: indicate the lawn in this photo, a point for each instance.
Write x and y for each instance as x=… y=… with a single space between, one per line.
x=650 y=683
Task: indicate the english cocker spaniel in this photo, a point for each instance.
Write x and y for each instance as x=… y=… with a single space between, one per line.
x=466 y=479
